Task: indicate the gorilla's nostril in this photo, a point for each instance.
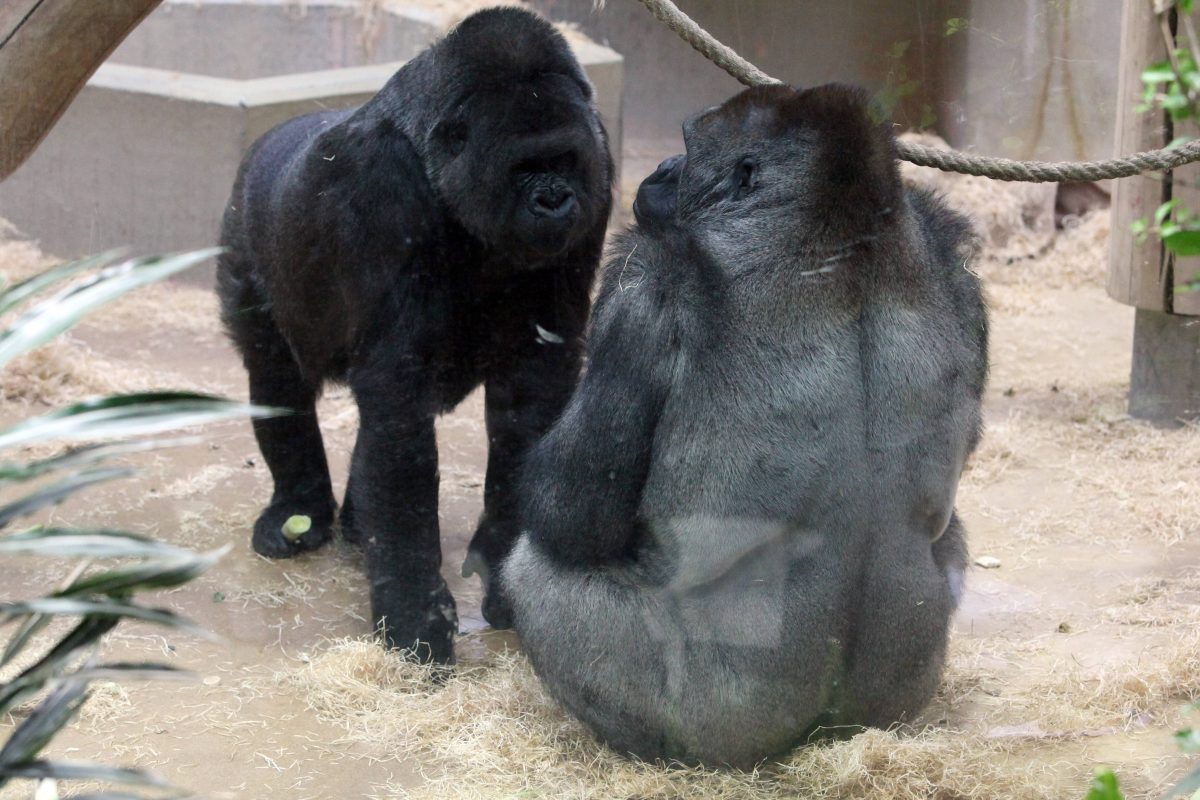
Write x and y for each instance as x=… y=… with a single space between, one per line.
x=554 y=203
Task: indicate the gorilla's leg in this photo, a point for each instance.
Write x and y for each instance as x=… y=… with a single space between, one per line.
x=520 y=407
x=346 y=516
x=532 y=372
x=394 y=496
x=950 y=553
x=908 y=597
x=290 y=444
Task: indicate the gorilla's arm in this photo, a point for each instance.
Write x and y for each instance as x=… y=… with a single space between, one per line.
x=583 y=482
x=527 y=386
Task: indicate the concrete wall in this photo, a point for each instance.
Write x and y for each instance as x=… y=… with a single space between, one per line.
x=1032 y=79
x=240 y=39
x=1019 y=78
x=804 y=42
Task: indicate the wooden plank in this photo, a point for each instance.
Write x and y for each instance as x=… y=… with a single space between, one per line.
x=49 y=50
x=12 y=12
x=1186 y=187
x=1137 y=272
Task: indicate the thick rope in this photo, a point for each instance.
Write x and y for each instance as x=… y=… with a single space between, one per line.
x=1003 y=169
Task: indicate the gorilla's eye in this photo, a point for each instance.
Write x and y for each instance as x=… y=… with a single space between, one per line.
x=452 y=134
x=745 y=177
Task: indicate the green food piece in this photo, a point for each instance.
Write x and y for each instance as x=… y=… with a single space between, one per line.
x=296 y=526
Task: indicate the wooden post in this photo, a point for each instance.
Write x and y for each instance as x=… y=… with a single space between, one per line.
x=48 y=50
x=1165 y=380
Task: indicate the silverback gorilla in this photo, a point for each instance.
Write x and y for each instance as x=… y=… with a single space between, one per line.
x=444 y=234
x=741 y=532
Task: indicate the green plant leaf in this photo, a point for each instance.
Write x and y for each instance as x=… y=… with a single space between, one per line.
x=86 y=543
x=164 y=574
x=1158 y=72
x=64 y=653
x=74 y=606
x=1163 y=211
x=31 y=684
x=139 y=671
x=1104 y=786
x=954 y=25
x=31 y=626
x=57 y=492
x=36 y=731
x=63 y=311
x=127 y=415
x=1188 y=739
x=85 y=456
x=82 y=771
x=1182 y=242
x=18 y=293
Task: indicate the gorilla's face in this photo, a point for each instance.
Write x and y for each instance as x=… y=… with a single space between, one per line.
x=523 y=168
x=774 y=169
x=658 y=196
x=736 y=162
x=746 y=155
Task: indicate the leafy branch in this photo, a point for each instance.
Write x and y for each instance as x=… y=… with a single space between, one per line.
x=98 y=599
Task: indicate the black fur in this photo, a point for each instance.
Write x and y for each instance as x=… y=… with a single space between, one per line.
x=742 y=528
x=442 y=235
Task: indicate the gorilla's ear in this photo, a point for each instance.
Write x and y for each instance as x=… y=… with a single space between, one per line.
x=746 y=176
x=856 y=158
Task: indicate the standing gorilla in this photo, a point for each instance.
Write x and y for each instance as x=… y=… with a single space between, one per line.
x=442 y=235
x=742 y=528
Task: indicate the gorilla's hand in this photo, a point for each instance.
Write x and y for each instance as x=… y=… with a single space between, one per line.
x=486 y=553
x=423 y=622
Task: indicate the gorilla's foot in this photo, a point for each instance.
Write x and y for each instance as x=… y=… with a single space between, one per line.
x=494 y=606
x=426 y=631
x=288 y=527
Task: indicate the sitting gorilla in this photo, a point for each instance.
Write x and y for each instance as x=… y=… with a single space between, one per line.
x=442 y=235
x=742 y=528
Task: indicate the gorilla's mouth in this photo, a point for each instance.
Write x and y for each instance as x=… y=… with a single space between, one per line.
x=658 y=196
x=549 y=234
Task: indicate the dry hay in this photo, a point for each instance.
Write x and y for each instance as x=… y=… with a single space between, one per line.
x=1013 y=220
x=491 y=730
x=1015 y=224
x=174 y=306
x=1143 y=478
x=66 y=370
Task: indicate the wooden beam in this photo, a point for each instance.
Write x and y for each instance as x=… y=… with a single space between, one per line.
x=1137 y=273
x=48 y=50
x=1165 y=381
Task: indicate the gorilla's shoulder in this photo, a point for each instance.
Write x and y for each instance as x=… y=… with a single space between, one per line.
x=368 y=151
x=948 y=233
x=663 y=267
